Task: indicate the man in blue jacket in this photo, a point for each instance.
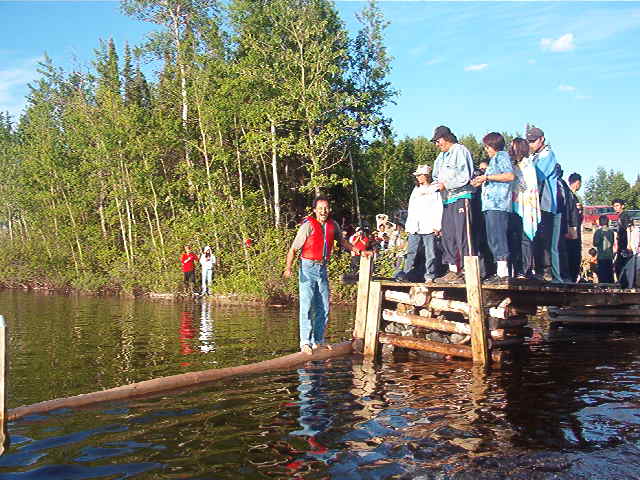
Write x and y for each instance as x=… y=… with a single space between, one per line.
x=545 y=162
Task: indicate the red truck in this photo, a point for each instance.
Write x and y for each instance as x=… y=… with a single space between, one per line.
x=591 y=214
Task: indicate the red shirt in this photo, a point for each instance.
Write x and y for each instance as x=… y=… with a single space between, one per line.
x=187 y=260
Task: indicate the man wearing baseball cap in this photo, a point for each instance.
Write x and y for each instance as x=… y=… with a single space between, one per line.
x=545 y=249
x=452 y=172
x=424 y=217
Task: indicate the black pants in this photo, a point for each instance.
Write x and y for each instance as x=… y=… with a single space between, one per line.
x=520 y=247
x=605 y=271
x=619 y=264
x=574 y=257
x=454 y=232
x=542 y=244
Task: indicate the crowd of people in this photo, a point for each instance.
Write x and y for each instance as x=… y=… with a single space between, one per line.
x=516 y=212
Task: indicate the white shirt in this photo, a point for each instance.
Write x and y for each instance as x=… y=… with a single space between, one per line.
x=425 y=210
x=207 y=264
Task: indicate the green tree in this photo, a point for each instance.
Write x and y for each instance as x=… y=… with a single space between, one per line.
x=602 y=188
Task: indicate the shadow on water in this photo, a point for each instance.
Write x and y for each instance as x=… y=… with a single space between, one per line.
x=568 y=409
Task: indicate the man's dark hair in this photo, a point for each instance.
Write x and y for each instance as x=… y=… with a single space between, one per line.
x=574 y=177
x=603 y=220
x=494 y=140
x=617 y=200
x=320 y=198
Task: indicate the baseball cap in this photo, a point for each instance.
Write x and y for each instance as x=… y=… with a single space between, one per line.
x=534 y=133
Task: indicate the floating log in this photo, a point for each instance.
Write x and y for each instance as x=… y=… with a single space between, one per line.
x=175 y=382
x=425 y=322
x=462 y=351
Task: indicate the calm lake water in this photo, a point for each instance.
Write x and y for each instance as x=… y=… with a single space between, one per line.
x=569 y=409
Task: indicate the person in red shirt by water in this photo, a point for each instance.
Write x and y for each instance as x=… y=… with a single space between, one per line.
x=188 y=259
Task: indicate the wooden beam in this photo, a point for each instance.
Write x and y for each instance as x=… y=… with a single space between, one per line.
x=373 y=321
x=413 y=343
x=479 y=344
x=426 y=322
x=439 y=305
x=397 y=296
x=364 y=279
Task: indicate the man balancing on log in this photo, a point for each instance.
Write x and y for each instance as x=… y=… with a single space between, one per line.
x=315 y=239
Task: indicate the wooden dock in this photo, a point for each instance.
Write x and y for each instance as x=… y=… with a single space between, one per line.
x=473 y=320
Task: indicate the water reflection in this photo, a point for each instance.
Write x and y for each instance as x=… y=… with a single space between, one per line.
x=206 y=337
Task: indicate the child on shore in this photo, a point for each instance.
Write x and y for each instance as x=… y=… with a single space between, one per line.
x=603 y=241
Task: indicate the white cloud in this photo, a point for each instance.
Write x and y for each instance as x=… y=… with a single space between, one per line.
x=560 y=44
x=566 y=88
x=13 y=85
x=476 y=68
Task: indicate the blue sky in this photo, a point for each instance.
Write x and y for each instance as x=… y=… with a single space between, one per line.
x=571 y=68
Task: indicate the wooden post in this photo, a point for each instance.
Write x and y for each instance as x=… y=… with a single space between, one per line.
x=364 y=278
x=479 y=344
x=373 y=321
x=3 y=353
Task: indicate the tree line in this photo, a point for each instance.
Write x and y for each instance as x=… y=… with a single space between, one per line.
x=255 y=107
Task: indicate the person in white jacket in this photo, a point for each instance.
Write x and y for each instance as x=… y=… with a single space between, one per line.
x=424 y=221
x=207 y=261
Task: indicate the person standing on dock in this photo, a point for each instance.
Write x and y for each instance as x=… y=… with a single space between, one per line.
x=496 y=202
x=622 y=236
x=188 y=259
x=574 y=239
x=452 y=172
x=603 y=240
x=315 y=240
x=424 y=222
x=545 y=162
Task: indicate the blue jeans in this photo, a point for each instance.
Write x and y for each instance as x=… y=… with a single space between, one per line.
x=496 y=223
x=429 y=243
x=207 y=273
x=313 y=281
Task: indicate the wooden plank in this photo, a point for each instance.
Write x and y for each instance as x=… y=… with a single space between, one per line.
x=596 y=320
x=597 y=312
x=462 y=351
x=479 y=344
x=426 y=322
x=373 y=321
x=364 y=279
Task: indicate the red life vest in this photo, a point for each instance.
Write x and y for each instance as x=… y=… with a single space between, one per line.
x=312 y=248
